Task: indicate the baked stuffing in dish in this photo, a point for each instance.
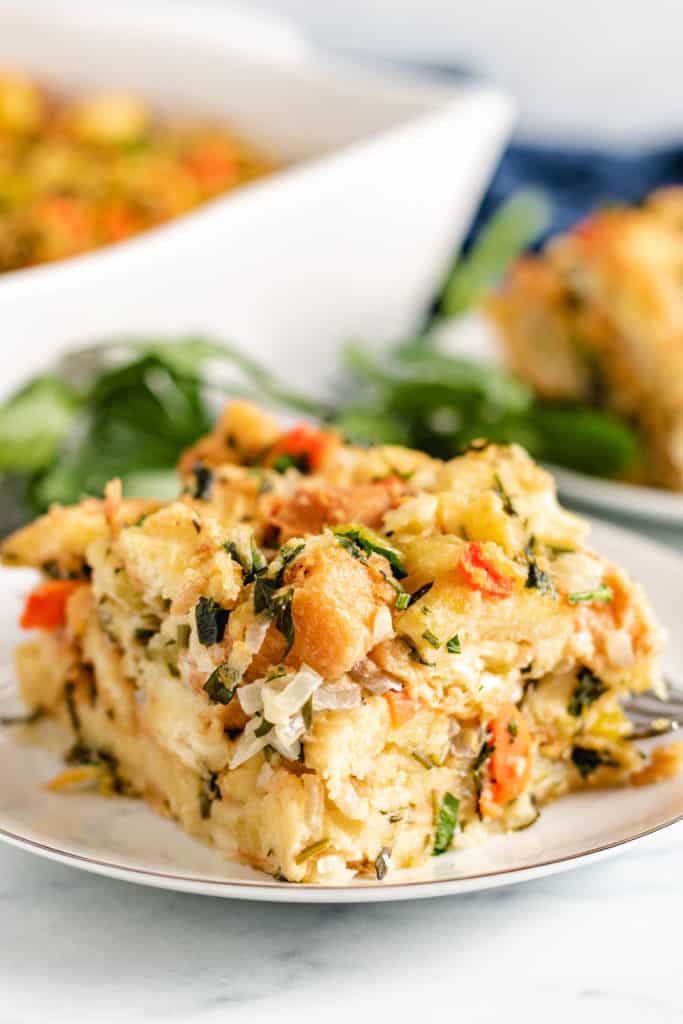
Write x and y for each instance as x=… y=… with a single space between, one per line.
x=333 y=661
x=79 y=174
x=597 y=318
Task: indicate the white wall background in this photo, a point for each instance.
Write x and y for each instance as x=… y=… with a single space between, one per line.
x=592 y=70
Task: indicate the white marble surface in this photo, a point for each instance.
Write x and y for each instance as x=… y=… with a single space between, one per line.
x=596 y=944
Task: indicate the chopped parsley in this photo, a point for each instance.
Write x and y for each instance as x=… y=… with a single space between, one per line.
x=382 y=861
x=208 y=792
x=281 y=610
x=402 y=600
x=369 y=541
x=446 y=824
x=602 y=595
x=432 y=640
x=307 y=713
x=420 y=592
x=508 y=504
x=539 y=580
x=588 y=688
x=221 y=684
x=284 y=462
x=587 y=760
x=252 y=564
x=453 y=645
x=264 y=728
x=414 y=653
x=211 y=621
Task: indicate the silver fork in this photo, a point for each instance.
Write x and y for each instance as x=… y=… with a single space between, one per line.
x=655 y=716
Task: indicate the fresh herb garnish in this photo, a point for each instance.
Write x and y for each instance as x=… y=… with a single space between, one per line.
x=423 y=760
x=312 y=851
x=307 y=713
x=432 y=640
x=586 y=691
x=264 y=728
x=208 y=792
x=601 y=595
x=420 y=592
x=370 y=542
x=587 y=760
x=382 y=861
x=183 y=634
x=508 y=504
x=453 y=645
x=413 y=651
x=446 y=824
x=402 y=601
x=281 y=610
x=211 y=619
x=512 y=730
x=252 y=564
x=539 y=580
x=221 y=684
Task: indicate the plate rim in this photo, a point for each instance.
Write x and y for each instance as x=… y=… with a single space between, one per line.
x=666 y=507
x=270 y=890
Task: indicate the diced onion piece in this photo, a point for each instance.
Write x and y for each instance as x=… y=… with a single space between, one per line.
x=337 y=697
x=382 y=627
x=619 y=648
x=278 y=708
x=255 y=634
x=349 y=803
x=248 y=744
x=250 y=697
x=382 y=684
x=285 y=738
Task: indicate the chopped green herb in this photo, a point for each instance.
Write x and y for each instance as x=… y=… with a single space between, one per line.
x=264 y=728
x=402 y=601
x=420 y=592
x=586 y=691
x=221 y=684
x=211 y=621
x=602 y=595
x=484 y=754
x=183 y=634
x=312 y=851
x=512 y=730
x=281 y=610
x=432 y=640
x=258 y=559
x=208 y=792
x=284 y=462
x=143 y=635
x=508 y=504
x=307 y=713
x=252 y=564
x=414 y=652
x=382 y=861
x=539 y=580
x=370 y=542
x=446 y=825
x=587 y=760
x=423 y=760
x=453 y=645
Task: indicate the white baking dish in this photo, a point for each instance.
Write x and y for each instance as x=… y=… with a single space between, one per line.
x=347 y=241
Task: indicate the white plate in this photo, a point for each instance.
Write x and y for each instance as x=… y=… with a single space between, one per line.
x=125 y=839
x=652 y=503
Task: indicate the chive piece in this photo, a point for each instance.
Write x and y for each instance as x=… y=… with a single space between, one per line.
x=203 y=478
x=370 y=542
x=382 y=861
x=453 y=645
x=402 y=601
x=183 y=634
x=414 y=653
x=587 y=760
x=258 y=560
x=448 y=820
x=221 y=684
x=307 y=713
x=508 y=504
x=420 y=592
x=586 y=691
x=211 y=621
x=264 y=728
x=423 y=759
x=312 y=851
x=432 y=640
x=602 y=594
x=539 y=580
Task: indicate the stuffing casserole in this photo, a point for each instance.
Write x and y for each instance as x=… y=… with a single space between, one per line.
x=331 y=661
x=597 y=318
x=76 y=175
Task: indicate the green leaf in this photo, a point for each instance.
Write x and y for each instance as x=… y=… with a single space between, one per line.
x=220 y=686
x=446 y=824
x=370 y=541
x=511 y=230
x=211 y=620
x=601 y=595
x=587 y=690
x=586 y=440
x=34 y=423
